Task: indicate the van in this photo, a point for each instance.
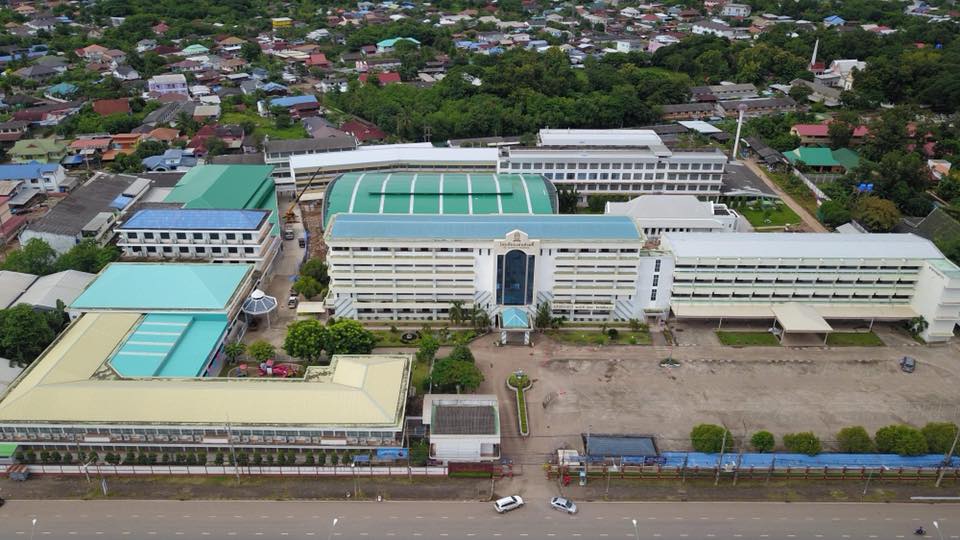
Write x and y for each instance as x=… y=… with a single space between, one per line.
x=292 y=301
x=507 y=504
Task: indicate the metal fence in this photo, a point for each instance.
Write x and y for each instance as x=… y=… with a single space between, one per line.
x=662 y=472
x=230 y=470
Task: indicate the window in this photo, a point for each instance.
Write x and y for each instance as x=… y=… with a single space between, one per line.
x=248 y=250
x=131 y=235
x=247 y=236
x=181 y=236
x=164 y=236
x=184 y=249
x=167 y=249
x=216 y=250
x=231 y=236
x=214 y=236
x=656 y=280
x=148 y=236
x=653 y=295
x=231 y=250
x=200 y=250
x=151 y=249
x=197 y=236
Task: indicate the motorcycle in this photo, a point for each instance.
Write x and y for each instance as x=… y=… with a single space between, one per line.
x=920 y=531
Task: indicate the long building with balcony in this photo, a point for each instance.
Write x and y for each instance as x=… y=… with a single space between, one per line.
x=616 y=162
x=412 y=267
x=226 y=236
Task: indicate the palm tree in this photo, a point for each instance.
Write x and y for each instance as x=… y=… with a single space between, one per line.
x=456 y=312
x=481 y=320
x=234 y=351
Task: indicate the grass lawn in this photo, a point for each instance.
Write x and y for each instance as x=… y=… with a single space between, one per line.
x=778 y=216
x=265 y=126
x=854 y=339
x=796 y=189
x=596 y=337
x=421 y=371
x=386 y=338
x=748 y=339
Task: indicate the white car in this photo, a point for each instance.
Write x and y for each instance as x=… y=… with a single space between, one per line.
x=507 y=504
x=564 y=505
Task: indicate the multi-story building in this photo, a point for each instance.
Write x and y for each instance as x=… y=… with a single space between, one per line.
x=139 y=368
x=735 y=10
x=170 y=83
x=230 y=236
x=716 y=92
x=397 y=267
x=659 y=214
x=616 y=162
x=48 y=177
x=756 y=107
x=278 y=153
x=830 y=276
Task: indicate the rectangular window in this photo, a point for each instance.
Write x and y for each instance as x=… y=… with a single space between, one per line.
x=656 y=265
x=231 y=236
x=656 y=280
x=164 y=236
x=197 y=236
x=181 y=236
x=653 y=294
x=247 y=236
x=184 y=249
x=214 y=236
x=131 y=235
x=148 y=236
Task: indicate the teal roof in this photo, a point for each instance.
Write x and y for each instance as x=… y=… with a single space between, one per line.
x=393 y=41
x=196 y=48
x=166 y=345
x=816 y=156
x=150 y=287
x=439 y=193
x=548 y=227
x=514 y=318
x=228 y=187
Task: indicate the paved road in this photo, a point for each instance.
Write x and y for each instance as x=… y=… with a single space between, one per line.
x=452 y=520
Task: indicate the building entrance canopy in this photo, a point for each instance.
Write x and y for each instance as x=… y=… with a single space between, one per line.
x=800 y=318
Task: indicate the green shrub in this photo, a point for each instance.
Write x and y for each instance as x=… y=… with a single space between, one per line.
x=940 y=436
x=854 y=440
x=56 y=457
x=709 y=438
x=802 y=443
x=419 y=453
x=763 y=441
x=613 y=334
x=901 y=439
x=68 y=458
x=218 y=459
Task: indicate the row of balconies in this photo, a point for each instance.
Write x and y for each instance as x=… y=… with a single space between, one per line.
x=204 y=240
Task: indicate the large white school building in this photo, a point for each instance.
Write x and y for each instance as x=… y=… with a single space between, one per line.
x=598 y=268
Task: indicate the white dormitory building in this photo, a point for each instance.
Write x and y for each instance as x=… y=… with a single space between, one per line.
x=279 y=153
x=598 y=268
x=604 y=162
x=224 y=236
x=616 y=162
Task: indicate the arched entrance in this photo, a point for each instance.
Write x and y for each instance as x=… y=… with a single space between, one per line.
x=515 y=271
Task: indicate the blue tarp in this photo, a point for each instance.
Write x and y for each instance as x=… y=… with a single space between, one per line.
x=361 y=459
x=121 y=202
x=893 y=461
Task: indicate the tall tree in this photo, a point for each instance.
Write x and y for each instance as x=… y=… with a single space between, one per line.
x=35 y=257
x=87 y=256
x=347 y=336
x=24 y=334
x=306 y=339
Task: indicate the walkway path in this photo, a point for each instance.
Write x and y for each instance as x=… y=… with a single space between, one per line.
x=808 y=220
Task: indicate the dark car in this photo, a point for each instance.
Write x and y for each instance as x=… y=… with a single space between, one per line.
x=908 y=364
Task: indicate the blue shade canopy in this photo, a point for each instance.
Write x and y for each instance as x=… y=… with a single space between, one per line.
x=196 y=219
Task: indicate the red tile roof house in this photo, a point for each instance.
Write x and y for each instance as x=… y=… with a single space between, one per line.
x=363 y=131
x=385 y=78
x=106 y=107
x=318 y=60
x=820 y=133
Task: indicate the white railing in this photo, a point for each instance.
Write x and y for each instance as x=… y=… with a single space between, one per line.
x=224 y=470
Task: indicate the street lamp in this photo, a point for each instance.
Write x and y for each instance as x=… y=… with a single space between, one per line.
x=335 y=521
x=937 y=527
x=33 y=527
x=869 y=476
x=636 y=530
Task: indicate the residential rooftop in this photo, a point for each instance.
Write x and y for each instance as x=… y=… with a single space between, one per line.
x=63 y=286
x=144 y=287
x=66 y=385
x=476 y=227
x=447 y=193
x=71 y=214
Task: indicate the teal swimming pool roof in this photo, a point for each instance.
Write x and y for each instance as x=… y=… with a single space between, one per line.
x=149 y=287
x=546 y=227
x=439 y=193
x=166 y=345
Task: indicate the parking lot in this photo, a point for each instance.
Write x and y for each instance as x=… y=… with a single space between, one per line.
x=622 y=389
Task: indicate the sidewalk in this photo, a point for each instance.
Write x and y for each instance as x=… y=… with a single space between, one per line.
x=808 y=220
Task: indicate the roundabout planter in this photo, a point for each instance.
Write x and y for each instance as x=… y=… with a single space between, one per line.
x=520 y=383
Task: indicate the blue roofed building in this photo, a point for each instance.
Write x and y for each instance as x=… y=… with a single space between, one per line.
x=49 y=177
x=389 y=45
x=172 y=159
x=290 y=101
x=221 y=235
x=412 y=266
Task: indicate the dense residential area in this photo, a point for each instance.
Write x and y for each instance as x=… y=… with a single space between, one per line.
x=480 y=251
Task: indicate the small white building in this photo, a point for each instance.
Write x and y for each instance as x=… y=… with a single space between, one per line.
x=840 y=74
x=463 y=427
x=657 y=214
x=735 y=10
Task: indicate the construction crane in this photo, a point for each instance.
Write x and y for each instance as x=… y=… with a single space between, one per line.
x=290 y=216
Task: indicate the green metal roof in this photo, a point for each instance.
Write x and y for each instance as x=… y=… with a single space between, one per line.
x=815 y=156
x=439 y=193
x=7 y=449
x=226 y=187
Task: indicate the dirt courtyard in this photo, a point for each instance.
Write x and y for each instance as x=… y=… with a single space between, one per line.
x=622 y=389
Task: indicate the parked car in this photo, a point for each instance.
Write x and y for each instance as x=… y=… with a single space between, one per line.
x=908 y=364
x=302 y=242
x=507 y=504
x=564 y=505
x=288 y=233
x=293 y=301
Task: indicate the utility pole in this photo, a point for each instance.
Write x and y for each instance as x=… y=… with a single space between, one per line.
x=233 y=451
x=723 y=446
x=743 y=444
x=947 y=458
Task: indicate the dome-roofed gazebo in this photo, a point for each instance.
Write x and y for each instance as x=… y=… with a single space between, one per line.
x=259 y=303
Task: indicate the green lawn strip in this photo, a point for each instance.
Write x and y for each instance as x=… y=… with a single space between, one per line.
x=596 y=337
x=265 y=126
x=520 y=384
x=797 y=190
x=421 y=372
x=748 y=339
x=776 y=217
x=854 y=339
